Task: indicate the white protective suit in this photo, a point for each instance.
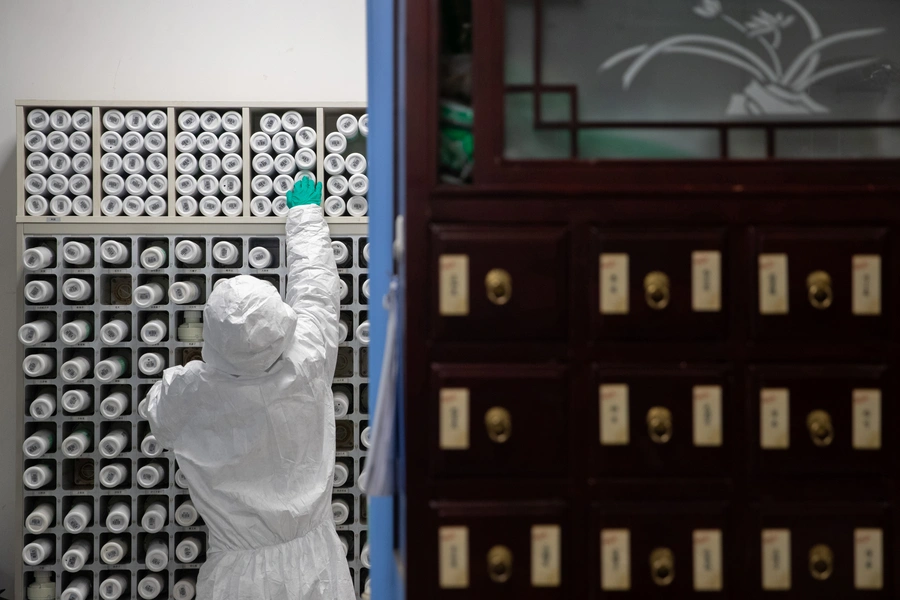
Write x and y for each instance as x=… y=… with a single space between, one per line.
x=252 y=428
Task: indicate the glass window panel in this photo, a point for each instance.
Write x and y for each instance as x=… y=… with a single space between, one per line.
x=523 y=141
x=747 y=143
x=870 y=142
x=556 y=108
x=519 y=57
x=668 y=144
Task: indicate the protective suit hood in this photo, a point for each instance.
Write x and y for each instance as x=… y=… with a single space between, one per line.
x=246 y=326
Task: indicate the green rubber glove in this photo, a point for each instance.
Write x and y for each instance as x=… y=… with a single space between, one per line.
x=305 y=192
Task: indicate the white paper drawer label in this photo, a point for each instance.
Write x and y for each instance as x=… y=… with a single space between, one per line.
x=454 y=415
x=866 y=284
x=614 y=414
x=776 y=559
x=867 y=419
x=707 y=560
x=868 y=553
x=453 y=551
x=614 y=284
x=546 y=561
x=454 y=285
x=773 y=284
x=706 y=276
x=615 y=559
x=774 y=418
x=707 y=415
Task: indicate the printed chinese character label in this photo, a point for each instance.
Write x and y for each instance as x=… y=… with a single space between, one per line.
x=706 y=278
x=454 y=285
x=615 y=560
x=453 y=557
x=708 y=560
x=545 y=555
x=867 y=419
x=614 y=415
x=707 y=415
x=868 y=558
x=454 y=419
x=773 y=284
x=774 y=418
x=866 y=284
x=776 y=559
x=614 y=284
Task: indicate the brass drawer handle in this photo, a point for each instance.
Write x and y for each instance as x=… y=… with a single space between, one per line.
x=821 y=562
x=662 y=566
x=656 y=290
x=498 y=284
x=499 y=564
x=498 y=422
x=659 y=424
x=818 y=285
x=821 y=430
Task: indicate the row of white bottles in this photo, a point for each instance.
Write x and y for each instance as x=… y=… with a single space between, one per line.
x=132 y=142
x=59 y=205
x=74 y=559
x=111 y=476
x=118 y=518
x=78 y=254
x=58 y=184
x=135 y=120
x=78 y=442
x=39 y=119
x=78 y=368
x=134 y=206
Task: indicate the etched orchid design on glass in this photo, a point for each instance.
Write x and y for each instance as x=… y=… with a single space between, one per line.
x=776 y=89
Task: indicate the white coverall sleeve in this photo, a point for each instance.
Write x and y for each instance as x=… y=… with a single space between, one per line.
x=313 y=287
x=157 y=409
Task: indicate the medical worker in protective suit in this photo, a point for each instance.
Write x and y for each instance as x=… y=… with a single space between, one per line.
x=252 y=426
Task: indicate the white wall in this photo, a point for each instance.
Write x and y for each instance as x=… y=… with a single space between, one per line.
x=263 y=50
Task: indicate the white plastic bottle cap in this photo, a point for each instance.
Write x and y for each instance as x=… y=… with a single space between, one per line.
x=180 y=479
x=136 y=120
x=37 y=365
x=112 y=206
x=365 y=288
x=348 y=126
x=260 y=258
x=142 y=408
x=75 y=332
x=157 y=558
x=151 y=447
x=111 y=368
x=37 y=162
x=359 y=185
x=155 y=206
x=37 y=206
x=79 y=589
x=341 y=254
x=229 y=142
x=35 y=141
x=306 y=137
x=113 y=184
x=363 y=481
x=157 y=120
x=261 y=185
x=186 y=142
x=148 y=295
x=185 y=589
x=37 y=258
x=136 y=185
x=111 y=142
x=279 y=206
x=114 y=405
x=133 y=206
x=42 y=407
x=113 y=587
x=210 y=120
x=61 y=120
x=344 y=289
x=37 y=551
x=341 y=475
x=77 y=253
x=188 y=252
x=153 y=257
x=186 y=515
x=366 y=437
x=119 y=517
x=154 y=518
x=230 y=185
x=291 y=121
x=341 y=512
x=76 y=556
x=35 y=184
x=58 y=162
x=57 y=141
x=187 y=164
x=210 y=164
x=76 y=444
x=38 y=444
x=150 y=475
x=39 y=292
x=282 y=184
x=79 y=142
x=154 y=331
x=75 y=400
x=207 y=142
x=335 y=206
x=114 y=551
x=343 y=331
x=154 y=142
x=207 y=185
x=188 y=120
x=270 y=123
x=232 y=206
x=40 y=330
x=261 y=206
x=82 y=120
x=37 y=476
x=157 y=164
x=263 y=164
x=285 y=164
x=114 y=252
x=38 y=119
x=188 y=550
x=113 y=443
x=82 y=206
x=77 y=290
x=60 y=205
x=358 y=206
x=364 y=125
x=341 y=405
x=362 y=333
x=83 y=163
x=356 y=163
x=283 y=142
x=132 y=141
x=210 y=206
x=364 y=556
x=344 y=545
x=133 y=163
x=226 y=253
x=261 y=142
x=336 y=142
x=113 y=120
x=186 y=206
x=337 y=185
x=151 y=586
x=305 y=159
x=232 y=164
x=152 y=363
x=232 y=121
x=40 y=519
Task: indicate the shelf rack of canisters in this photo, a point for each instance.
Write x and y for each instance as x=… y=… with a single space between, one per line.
x=117 y=562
